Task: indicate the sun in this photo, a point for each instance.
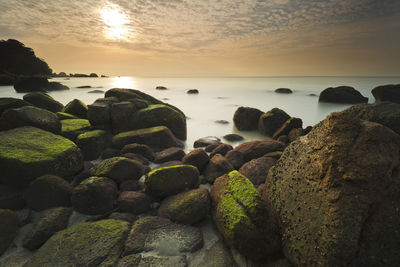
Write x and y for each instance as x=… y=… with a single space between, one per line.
x=116 y=22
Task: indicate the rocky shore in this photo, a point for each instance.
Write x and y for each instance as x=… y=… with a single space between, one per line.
x=109 y=184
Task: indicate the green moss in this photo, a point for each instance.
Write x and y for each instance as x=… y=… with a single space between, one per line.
x=140 y=132
x=266 y=115
x=65 y=116
x=91 y=134
x=74 y=125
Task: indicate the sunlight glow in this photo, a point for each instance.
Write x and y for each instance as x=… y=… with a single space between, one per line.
x=123 y=82
x=116 y=22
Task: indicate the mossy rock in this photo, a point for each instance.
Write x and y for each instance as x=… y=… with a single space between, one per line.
x=169 y=181
x=65 y=116
x=76 y=107
x=241 y=217
x=8 y=228
x=119 y=169
x=43 y=100
x=161 y=115
x=86 y=244
x=121 y=116
x=27 y=153
x=30 y=116
x=73 y=127
x=92 y=143
x=9 y=102
x=187 y=207
x=271 y=121
x=131 y=94
x=156 y=137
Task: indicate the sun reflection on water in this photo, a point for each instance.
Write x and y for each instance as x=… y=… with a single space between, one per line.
x=123 y=82
x=116 y=22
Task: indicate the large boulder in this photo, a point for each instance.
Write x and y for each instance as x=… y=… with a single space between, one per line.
x=256 y=170
x=76 y=107
x=123 y=94
x=255 y=149
x=95 y=195
x=8 y=228
x=48 y=191
x=119 y=169
x=9 y=102
x=86 y=244
x=30 y=116
x=241 y=217
x=217 y=166
x=161 y=115
x=31 y=84
x=71 y=128
x=271 y=121
x=156 y=137
x=342 y=94
x=246 y=119
x=186 y=208
x=42 y=100
x=92 y=143
x=121 y=116
x=390 y=92
x=335 y=192
x=169 y=181
x=27 y=153
x=99 y=113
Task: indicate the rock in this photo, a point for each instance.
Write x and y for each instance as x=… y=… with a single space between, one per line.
x=27 y=153
x=136 y=157
x=385 y=113
x=256 y=170
x=221 y=149
x=84 y=87
x=217 y=255
x=92 y=143
x=9 y=102
x=217 y=166
x=344 y=174
x=284 y=139
x=160 y=235
x=71 y=128
x=11 y=197
x=56 y=86
x=48 y=191
x=118 y=169
x=192 y=92
x=139 y=149
x=342 y=94
x=153 y=260
x=233 y=137
x=110 y=153
x=211 y=147
x=241 y=218
x=156 y=137
x=50 y=222
x=169 y=164
x=255 y=149
x=295 y=133
x=76 y=107
x=131 y=95
x=133 y=202
x=131 y=185
x=161 y=115
x=197 y=158
x=276 y=155
x=161 y=87
x=8 y=228
x=31 y=84
x=85 y=244
x=65 y=116
x=205 y=141
x=169 y=181
x=95 y=195
x=122 y=115
x=6 y=80
x=289 y=125
x=283 y=91
x=186 y=208
x=221 y=122
x=271 y=121
x=99 y=113
x=96 y=92
x=246 y=119
x=307 y=130
x=235 y=158
x=93 y=75
x=42 y=100
x=169 y=154
x=390 y=92
x=127 y=217
x=30 y=116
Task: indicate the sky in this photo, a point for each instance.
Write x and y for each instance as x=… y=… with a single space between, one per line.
x=209 y=37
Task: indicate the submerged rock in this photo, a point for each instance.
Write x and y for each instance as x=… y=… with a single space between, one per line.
x=246 y=119
x=335 y=194
x=27 y=153
x=390 y=92
x=283 y=91
x=192 y=92
x=233 y=137
x=342 y=94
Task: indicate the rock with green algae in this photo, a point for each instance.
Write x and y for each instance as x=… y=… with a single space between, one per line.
x=9 y=102
x=169 y=181
x=30 y=116
x=161 y=115
x=76 y=107
x=71 y=128
x=8 y=228
x=43 y=100
x=65 y=116
x=119 y=169
x=27 y=153
x=241 y=217
x=335 y=192
x=158 y=137
x=186 y=208
x=86 y=244
x=92 y=143
x=271 y=121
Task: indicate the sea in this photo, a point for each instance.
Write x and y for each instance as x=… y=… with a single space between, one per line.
x=219 y=97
